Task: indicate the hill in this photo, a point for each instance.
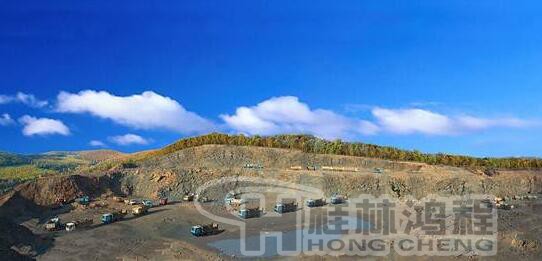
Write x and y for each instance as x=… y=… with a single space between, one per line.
x=311 y=144
x=24 y=167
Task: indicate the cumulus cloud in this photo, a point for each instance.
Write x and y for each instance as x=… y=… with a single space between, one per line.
x=129 y=139
x=409 y=121
x=97 y=143
x=288 y=115
x=42 y=126
x=147 y=110
x=27 y=99
x=6 y=120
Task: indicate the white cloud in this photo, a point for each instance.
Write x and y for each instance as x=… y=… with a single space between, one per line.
x=97 y=143
x=129 y=139
x=30 y=100
x=409 y=121
x=288 y=115
x=142 y=111
x=27 y=99
x=42 y=126
x=6 y=120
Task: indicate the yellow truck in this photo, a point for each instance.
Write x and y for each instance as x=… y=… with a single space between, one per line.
x=140 y=210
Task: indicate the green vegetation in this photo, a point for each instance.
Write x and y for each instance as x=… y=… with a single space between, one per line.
x=25 y=167
x=23 y=172
x=8 y=159
x=311 y=144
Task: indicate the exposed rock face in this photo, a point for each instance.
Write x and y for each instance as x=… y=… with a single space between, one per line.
x=184 y=171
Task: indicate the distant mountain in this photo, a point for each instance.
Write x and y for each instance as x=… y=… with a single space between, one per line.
x=23 y=167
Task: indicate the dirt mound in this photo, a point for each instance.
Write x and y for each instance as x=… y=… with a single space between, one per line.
x=50 y=191
x=42 y=194
x=19 y=243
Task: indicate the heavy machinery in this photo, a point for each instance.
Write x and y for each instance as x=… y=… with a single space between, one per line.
x=84 y=200
x=140 y=210
x=233 y=200
x=337 y=199
x=236 y=203
x=229 y=197
x=53 y=224
x=70 y=226
x=311 y=203
x=108 y=218
x=285 y=207
x=245 y=213
x=163 y=201
x=147 y=203
x=205 y=230
x=189 y=197
x=132 y=202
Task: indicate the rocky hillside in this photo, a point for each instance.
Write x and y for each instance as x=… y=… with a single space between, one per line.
x=183 y=171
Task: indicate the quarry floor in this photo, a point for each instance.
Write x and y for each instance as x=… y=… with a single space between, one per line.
x=164 y=234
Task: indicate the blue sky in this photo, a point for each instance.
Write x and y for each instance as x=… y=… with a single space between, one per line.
x=458 y=77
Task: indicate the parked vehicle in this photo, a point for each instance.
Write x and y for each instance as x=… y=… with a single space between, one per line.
x=84 y=200
x=53 y=224
x=249 y=213
x=108 y=218
x=285 y=207
x=140 y=210
x=70 y=226
x=133 y=202
x=163 y=201
x=205 y=230
x=229 y=197
x=337 y=199
x=311 y=203
x=147 y=203
x=189 y=197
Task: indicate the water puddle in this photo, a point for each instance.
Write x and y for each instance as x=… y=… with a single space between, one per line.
x=290 y=239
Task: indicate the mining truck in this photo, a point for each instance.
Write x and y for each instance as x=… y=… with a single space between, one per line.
x=84 y=200
x=205 y=230
x=70 y=226
x=337 y=199
x=249 y=213
x=311 y=203
x=108 y=218
x=285 y=207
x=147 y=203
x=53 y=224
x=163 y=201
x=188 y=197
x=140 y=210
x=229 y=197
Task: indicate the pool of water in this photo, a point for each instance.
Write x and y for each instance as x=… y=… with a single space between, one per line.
x=289 y=239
